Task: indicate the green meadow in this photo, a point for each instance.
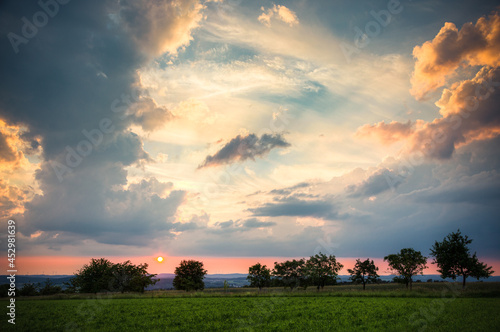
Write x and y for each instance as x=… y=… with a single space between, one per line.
x=429 y=307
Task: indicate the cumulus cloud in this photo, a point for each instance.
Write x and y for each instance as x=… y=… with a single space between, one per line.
x=246 y=147
x=437 y=60
x=469 y=107
x=387 y=133
x=112 y=216
x=470 y=112
x=279 y=12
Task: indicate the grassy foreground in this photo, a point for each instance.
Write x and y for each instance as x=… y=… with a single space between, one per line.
x=446 y=310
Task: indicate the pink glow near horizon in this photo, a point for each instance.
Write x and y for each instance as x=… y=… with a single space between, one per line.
x=52 y=265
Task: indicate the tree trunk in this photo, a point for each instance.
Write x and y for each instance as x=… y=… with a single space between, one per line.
x=463 y=282
x=364 y=283
x=411 y=283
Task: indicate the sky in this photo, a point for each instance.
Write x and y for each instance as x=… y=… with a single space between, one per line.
x=234 y=131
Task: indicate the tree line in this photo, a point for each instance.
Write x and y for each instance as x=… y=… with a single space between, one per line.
x=452 y=256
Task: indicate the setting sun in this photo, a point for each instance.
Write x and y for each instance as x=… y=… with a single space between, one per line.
x=159 y=259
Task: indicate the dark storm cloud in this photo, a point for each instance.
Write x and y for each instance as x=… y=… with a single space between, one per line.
x=242 y=148
x=75 y=73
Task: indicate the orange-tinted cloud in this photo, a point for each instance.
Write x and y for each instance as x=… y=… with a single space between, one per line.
x=12 y=199
x=12 y=161
x=387 y=133
x=10 y=155
x=469 y=112
x=281 y=13
x=437 y=60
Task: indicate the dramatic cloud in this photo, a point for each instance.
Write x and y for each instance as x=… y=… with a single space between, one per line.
x=470 y=112
x=242 y=148
x=472 y=45
x=128 y=216
x=76 y=88
x=387 y=133
x=469 y=107
x=279 y=12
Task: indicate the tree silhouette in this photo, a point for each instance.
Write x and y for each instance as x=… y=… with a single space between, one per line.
x=290 y=273
x=259 y=276
x=407 y=263
x=454 y=259
x=322 y=270
x=100 y=275
x=364 y=272
x=189 y=275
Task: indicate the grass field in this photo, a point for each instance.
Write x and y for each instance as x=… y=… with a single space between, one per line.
x=427 y=308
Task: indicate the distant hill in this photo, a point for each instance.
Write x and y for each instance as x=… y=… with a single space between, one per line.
x=211 y=280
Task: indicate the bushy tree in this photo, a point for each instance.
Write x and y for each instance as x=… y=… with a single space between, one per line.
x=5 y=289
x=100 y=275
x=97 y=276
x=28 y=289
x=453 y=258
x=407 y=263
x=259 y=276
x=189 y=276
x=132 y=278
x=321 y=270
x=364 y=272
x=49 y=288
x=290 y=273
